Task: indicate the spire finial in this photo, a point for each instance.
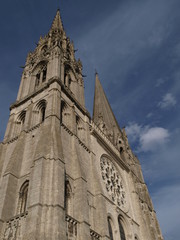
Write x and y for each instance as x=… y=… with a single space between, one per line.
x=57 y=22
x=96 y=76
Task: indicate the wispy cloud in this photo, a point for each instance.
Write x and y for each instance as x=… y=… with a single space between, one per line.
x=125 y=42
x=159 y=82
x=134 y=131
x=168 y=101
x=149 y=115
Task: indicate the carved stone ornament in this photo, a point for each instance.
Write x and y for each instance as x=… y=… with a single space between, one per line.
x=112 y=181
x=11 y=230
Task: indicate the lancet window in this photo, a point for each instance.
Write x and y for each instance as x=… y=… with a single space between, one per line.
x=42 y=110
x=65 y=114
x=77 y=123
x=39 y=112
x=63 y=107
x=40 y=73
x=20 y=122
x=67 y=76
x=121 y=229
x=110 y=228
x=23 y=195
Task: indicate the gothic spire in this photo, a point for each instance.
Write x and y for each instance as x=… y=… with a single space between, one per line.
x=102 y=112
x=57 y=22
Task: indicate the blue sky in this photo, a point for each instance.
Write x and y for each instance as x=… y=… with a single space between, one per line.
x=135 y=47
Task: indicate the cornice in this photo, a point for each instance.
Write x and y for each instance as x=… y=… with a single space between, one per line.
x=64 y=89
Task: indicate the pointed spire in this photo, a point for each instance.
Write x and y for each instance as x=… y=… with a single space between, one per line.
x=57 y=22
x=102 y=112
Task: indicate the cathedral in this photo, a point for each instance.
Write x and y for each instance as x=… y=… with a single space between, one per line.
x=65 y=175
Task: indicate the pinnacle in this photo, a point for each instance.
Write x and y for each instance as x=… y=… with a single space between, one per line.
x=57 y=22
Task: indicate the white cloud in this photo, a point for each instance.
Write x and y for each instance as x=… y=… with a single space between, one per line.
x=133 y=131
x=163 y=164
x=152 y=138
x=147 y=138
x=167 y=101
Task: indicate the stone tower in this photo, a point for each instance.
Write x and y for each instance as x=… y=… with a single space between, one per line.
x=64 y=175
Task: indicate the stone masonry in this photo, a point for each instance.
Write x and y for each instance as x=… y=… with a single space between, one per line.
x=63 y=174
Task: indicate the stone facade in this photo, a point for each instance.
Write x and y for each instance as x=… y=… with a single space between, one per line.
x=64 y=175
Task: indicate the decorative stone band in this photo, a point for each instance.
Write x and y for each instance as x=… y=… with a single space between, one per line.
x=71 y=220
x=71 y=226
x=15 y=227
x=94 y=235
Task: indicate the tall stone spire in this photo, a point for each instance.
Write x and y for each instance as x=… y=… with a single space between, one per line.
x=102 y=112
x=57 y=22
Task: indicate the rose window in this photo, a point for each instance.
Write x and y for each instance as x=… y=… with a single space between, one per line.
x=112 y=181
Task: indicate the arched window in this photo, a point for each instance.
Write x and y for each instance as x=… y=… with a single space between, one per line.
x=63 y=106
x=21 y=117
x=65 y=114
x=121 y=229
x=66 y=71
x=67 y=76
x=110 y=229
x=40 y=73
x=69 y=81
x=77 y=123
x=20 y=122
x=44 y=73
x=23 y=194
x=42 y=110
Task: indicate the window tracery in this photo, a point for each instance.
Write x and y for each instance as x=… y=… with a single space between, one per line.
x=40 y=74
x=112 y=180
